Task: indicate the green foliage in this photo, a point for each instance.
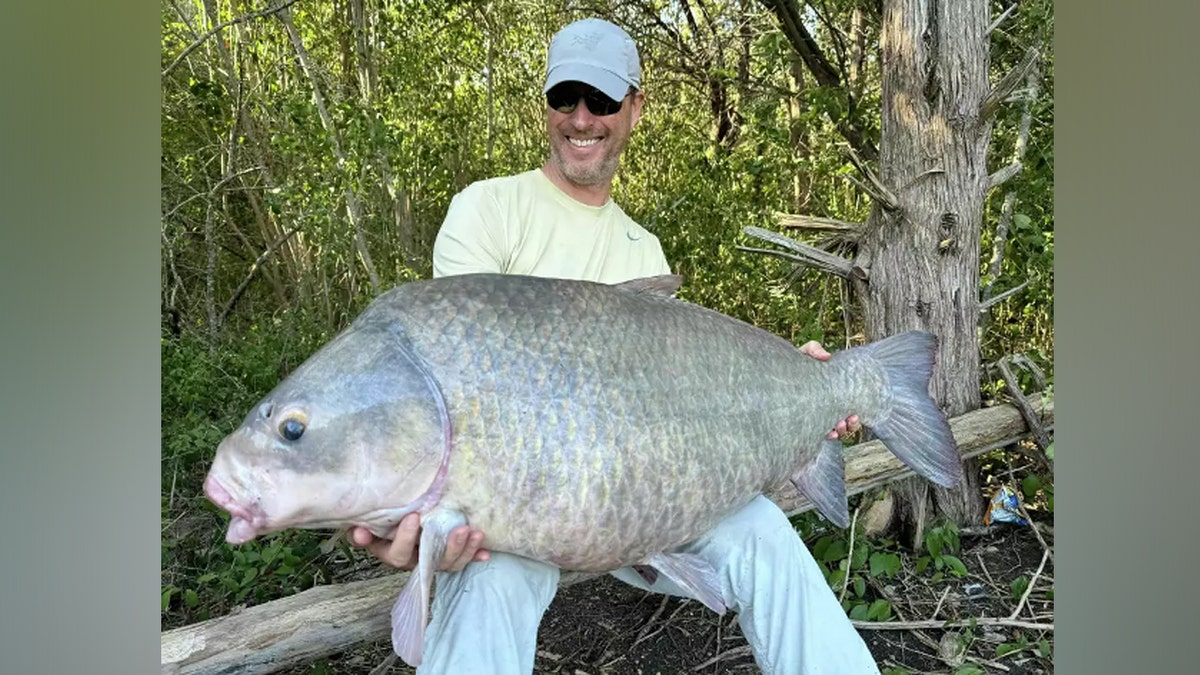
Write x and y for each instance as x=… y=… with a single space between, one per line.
x=205 y=394
x=861 y=572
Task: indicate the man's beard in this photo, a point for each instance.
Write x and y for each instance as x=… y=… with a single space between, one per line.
x=589 y=173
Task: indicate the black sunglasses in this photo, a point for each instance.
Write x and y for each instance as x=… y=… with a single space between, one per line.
x=565 y=98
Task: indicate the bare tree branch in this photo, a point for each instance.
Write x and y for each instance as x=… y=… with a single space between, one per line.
x=232 y=22
x=998 y=178
x=801 y=253
x=1000 y=19
x=254 y=266
x=793 y=221
x=1008 y=84
x=985 y=304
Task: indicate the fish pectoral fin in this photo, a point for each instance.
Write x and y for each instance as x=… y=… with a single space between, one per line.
x=410 y=614
x=693 y=574
x=824 y=482
x=647 y=573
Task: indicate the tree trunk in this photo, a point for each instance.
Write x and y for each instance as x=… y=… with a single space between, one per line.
x=921 y=250
x=798 y=139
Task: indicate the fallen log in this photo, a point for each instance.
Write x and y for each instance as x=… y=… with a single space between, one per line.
x=328 y=619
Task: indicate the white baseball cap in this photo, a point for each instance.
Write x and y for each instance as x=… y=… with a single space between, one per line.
x=595 y=52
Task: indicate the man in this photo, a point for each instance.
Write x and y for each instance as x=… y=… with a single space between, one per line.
x=559 y=221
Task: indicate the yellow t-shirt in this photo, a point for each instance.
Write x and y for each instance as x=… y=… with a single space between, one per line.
x=524 y=224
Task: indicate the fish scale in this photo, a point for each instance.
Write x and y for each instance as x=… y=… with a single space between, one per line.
x=671 y=465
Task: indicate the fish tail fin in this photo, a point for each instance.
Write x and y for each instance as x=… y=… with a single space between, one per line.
x=410 y=614
x=913 y=427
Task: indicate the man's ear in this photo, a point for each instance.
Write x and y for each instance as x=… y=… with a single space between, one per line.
x=636 y=101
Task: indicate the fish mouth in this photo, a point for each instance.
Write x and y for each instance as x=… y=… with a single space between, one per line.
x=246 y=522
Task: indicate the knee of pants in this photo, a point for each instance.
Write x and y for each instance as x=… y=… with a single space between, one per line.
x=504 y=580
x=760 y=529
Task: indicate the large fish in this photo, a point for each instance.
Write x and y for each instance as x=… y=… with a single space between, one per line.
x=586 y=425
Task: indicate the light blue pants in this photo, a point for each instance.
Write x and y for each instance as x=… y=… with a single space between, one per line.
x=485 y=618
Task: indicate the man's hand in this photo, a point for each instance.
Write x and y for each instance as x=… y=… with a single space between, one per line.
x=850 y=424
x=401 y=551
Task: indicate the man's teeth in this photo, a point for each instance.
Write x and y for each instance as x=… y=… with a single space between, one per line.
x=583 y=142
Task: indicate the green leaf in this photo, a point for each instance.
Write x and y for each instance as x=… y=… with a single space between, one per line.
x=859 y=612
x=1008 y=648
x=1022 y=221
x=922 y=563
x=836 y=551
x=190 y=598
x=1050 y=451
x=821 y=546
x=269 y=554
x=250 y=575
x=1018 y=587
x=885 y=563
x=1030 y=486
x=956 y=565
x=968 y=670
x=860 y=556
x=1043 y=649
x=880 y=610
x=860 y=586
x=205 y=578
x=933 y=542
x=835 y=579
x=166 y=596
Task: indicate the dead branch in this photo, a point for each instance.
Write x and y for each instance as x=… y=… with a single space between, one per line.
x=879 y=192
x=232 y=22
x=1007 y=85
x=1000 y=19
x=1031 y=418
x=734 y=653
x=793 y=221
x=1029 y=588
x=950 y=623
x=802 y=253
x=985 y=304
x=997 y=179
x=262 y=258
x=1010 y=199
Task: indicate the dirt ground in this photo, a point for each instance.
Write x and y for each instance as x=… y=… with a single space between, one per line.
x=604 y=627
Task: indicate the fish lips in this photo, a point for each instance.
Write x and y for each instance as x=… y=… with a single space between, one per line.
x=246 y=522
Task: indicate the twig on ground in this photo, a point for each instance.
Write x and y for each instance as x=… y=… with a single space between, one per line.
x=846 y=579
x=728 y=654
x=986 y=573
x=657 y=613
x=385 y=666
x=950 y=623
x=1032 y=582
x=938 y=608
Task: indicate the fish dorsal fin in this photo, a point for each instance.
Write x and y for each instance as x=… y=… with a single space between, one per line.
x=823 y=481
x=663 y=284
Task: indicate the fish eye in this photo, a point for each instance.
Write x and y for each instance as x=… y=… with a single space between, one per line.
x=291 y=429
